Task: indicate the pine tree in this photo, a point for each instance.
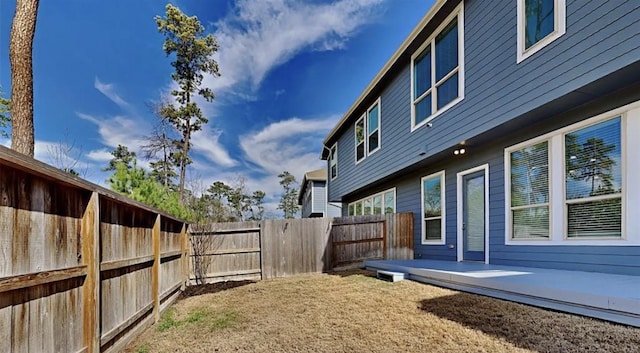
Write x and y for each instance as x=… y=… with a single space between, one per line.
x=185 y=38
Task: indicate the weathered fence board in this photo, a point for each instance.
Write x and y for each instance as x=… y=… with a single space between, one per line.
x=399 y=246
x=279 y=248
x=76 y=261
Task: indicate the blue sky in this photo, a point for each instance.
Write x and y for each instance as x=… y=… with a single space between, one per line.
x=290 y=69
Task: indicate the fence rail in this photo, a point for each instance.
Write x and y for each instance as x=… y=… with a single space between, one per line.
x=82 y=269
x=278 y=248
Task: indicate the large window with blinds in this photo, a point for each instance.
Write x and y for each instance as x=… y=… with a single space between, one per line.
x=568 y=185
x=593 y=180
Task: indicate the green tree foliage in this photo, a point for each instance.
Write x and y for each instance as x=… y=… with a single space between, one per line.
x=289 y=199
x=234 y=203
x=257 y=205
x=135 y=183
x=5 y=116
x=185 y=39
x=121 y=155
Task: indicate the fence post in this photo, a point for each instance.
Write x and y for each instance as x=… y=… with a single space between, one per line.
x=91 y=288
x=184 y=247
x=261 y=246
x=385 y=238
x=155 y=270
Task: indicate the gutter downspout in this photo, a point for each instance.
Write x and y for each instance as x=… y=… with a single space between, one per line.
x=326 y=185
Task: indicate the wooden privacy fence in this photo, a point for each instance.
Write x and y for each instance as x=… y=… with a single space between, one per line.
x=277 y=248
x=82 y=269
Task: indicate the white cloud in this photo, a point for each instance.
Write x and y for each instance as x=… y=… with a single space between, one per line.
x=109 y=90
x=291 y=145
x=120 y=130
x=100 y=155
x=206 y=142
x=260 y=35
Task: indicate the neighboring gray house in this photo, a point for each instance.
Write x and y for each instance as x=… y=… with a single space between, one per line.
x=313 y=196
x=509 y=131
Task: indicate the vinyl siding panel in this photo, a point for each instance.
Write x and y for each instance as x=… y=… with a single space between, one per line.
x=334 y=209
x=601 y=37
x=319 y=199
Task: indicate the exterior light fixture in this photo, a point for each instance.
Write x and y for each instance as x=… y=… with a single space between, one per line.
x=459 y=151
x=456 y=152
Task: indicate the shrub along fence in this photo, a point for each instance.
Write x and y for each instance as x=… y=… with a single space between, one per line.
x=82 y=269
x=278 y=248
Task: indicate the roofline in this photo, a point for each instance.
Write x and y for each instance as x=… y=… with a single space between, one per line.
x=303 y=184
x=383 y=71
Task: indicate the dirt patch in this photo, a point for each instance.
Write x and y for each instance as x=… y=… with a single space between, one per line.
x=352 y=311
x=212 y=288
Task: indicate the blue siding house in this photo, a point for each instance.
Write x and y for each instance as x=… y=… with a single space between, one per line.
x=313 y=196
x=509 y=131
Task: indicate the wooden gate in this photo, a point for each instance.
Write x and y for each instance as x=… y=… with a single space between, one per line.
x=226 y=251
x=356 y=239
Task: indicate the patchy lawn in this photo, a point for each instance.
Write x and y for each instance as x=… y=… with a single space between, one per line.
x=354 y=312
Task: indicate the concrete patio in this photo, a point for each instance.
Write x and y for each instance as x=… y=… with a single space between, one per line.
x=604 y=296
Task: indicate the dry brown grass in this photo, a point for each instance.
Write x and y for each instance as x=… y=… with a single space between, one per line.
x=353 y=312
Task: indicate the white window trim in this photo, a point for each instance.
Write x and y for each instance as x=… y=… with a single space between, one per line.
x=370 y=197
x=379 y=130
x=507 y=193
x=457 y=12
x=459 y=235
x=560 y=28
x=630 y=125
x=333 y=160
x=443 y=204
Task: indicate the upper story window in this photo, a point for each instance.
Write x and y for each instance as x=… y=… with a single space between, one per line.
x=540 y=22
x=360 y=141
x=437 y=71
x=373 y=128
x=333 y=161
x=367 y=132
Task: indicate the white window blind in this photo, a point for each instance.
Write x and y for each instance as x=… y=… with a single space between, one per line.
x=530 y=191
